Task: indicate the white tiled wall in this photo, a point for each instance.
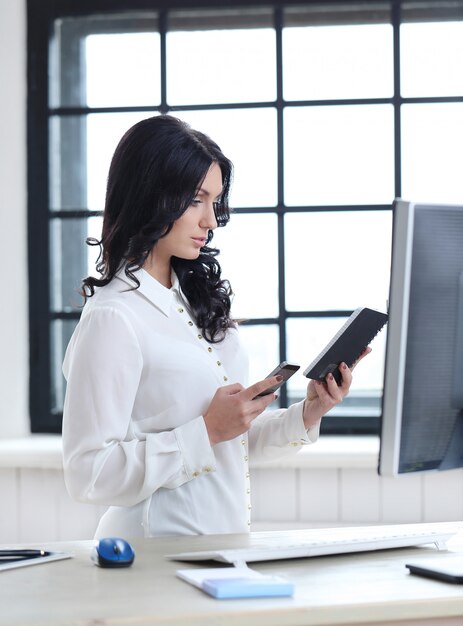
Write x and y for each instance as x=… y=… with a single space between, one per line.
x=351 y=496
x=36 y=507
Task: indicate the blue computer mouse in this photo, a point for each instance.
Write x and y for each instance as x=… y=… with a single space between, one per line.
x=113 y=552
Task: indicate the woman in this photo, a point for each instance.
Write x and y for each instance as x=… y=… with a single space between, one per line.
x=158 y=421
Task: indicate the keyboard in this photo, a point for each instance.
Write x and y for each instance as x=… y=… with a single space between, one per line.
x=292 y=544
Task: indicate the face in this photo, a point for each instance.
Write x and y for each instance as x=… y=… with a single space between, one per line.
x=189 y=233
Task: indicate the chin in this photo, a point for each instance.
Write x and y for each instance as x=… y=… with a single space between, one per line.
x=191 y=255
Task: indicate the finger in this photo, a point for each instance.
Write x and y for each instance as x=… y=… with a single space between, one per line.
x=333 y=388
x=321 y=389
x=254 y=390
x=346 y=374
x=260 y=404
x=363 y=354
x=230 y=390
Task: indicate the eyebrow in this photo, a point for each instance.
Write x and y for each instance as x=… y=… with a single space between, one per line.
x=206 y=193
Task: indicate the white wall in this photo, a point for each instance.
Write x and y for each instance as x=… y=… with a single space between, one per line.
x=14 y=367
x=40 y=510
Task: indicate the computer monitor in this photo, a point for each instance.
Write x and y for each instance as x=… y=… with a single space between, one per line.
x=422 y=407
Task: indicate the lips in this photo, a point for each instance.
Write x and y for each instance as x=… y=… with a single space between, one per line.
x=199 y=240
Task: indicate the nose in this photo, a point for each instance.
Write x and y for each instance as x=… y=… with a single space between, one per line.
x=208 y=219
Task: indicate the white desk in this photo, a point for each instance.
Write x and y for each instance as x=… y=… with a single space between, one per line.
x=366 y=588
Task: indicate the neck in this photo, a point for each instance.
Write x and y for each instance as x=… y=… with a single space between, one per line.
x=160 y=271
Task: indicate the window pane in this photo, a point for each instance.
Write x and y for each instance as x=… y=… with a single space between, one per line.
x=220 y=65
x=262 y=345
x=61 y=331
x=81 y=148
x=432 y=162
x=253 y=273
x=431 y=59
x=123 y=69
x=339 y=155
x=67 y=154
x=71 y=260
x=325 y=62
x=249 y=138
x=344 y=257
x=306 y=338
x=105 y=60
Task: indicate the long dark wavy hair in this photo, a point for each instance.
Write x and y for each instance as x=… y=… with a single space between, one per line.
x=157 y=168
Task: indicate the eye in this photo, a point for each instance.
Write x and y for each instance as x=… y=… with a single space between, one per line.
x=196 y=201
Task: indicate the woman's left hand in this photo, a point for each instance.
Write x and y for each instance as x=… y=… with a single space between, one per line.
x=323 y=396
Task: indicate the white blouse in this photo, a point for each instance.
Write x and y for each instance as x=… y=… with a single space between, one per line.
x=140 y=376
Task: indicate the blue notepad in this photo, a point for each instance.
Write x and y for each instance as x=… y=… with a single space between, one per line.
x=237 y=582
x=265 y=587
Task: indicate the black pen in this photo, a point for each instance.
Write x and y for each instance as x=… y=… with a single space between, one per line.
x=17 y=555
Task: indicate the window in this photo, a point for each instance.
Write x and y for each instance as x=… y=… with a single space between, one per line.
x=327 y=109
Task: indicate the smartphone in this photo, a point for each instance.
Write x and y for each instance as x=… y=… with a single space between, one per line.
x=286 y=370
x=449 y=570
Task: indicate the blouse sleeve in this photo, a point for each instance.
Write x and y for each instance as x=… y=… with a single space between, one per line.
x=278 y=433
x=104 y=461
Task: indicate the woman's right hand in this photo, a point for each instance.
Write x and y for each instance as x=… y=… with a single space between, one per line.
x=233 y=409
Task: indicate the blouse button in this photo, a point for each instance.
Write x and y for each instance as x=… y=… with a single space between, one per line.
x=190 y=323
x=209 y=349
x=248 y=491
x=249 y=523
x=245 y=458
x=247 y=474
x=219 y=363
x=200 y=336
x=249 y=506
x=180 y=310
x=243 y=442
x=225 y=378
x=195 y=474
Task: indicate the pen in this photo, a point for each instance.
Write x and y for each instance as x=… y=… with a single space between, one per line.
x=16 y=555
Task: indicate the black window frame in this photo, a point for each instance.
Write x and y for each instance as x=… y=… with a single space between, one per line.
x=41 y=15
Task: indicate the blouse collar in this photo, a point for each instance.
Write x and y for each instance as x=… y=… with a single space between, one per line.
x=161 y=297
